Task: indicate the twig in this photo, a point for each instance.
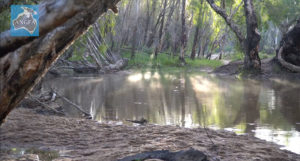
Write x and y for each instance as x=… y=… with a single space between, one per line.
x=205 y=128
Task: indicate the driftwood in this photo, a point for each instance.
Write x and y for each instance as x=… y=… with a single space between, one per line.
x=24 y=61
x=45 y=105
x=87 y=115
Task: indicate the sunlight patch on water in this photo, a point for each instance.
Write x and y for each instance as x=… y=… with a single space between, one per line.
x=147 y=75
x=201 y=84
x=135 y=77
x=289 y=139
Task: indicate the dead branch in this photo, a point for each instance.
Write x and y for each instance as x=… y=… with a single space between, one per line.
x=73 y=104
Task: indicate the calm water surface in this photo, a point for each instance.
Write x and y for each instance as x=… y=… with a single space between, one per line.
x=269 y=111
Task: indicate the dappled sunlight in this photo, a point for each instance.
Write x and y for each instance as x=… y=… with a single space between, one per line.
x=201 y=84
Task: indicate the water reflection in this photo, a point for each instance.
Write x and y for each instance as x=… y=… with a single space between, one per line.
x=270 y=111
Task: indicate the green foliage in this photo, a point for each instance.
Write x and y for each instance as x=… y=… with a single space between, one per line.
x=264 y=55
x=77 y=55
x=102 y=48
x=235 y=56
x=5 y=20
x=204 y=63
x=107 y=24
x=278 y=11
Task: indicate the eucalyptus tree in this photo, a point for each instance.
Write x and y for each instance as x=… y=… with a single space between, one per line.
x=249 y=40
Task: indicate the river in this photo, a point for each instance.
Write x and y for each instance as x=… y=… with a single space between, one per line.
x=269 y=110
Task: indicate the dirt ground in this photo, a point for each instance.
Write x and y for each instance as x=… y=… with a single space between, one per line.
x=52 y=137
x=269 y=69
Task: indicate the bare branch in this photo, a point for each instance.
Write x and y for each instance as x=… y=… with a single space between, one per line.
x=234 y=27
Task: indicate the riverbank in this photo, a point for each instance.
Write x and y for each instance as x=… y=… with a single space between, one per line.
x=269 y=69
x=61 y=138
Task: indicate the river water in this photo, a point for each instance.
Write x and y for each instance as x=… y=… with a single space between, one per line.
x=268 y=110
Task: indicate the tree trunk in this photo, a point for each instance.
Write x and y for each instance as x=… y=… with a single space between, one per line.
x=252 y=60
x=133 y=43
x=183 y=34
x=160 y=34
x=153 y=29
x=134 y=34
x=23 y=64
x=288 y=54
x=164 y=33
x=196 y=36
x=147 y=22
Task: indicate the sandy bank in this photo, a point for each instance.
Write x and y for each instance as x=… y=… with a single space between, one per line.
x=79 y=139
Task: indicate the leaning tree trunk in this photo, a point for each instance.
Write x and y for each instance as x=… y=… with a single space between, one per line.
x=288 y=54
x=24 y=61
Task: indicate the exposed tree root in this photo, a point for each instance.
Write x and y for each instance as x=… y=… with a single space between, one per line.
x=286 y=64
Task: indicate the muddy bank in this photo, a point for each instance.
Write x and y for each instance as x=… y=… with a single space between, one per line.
x=269 y=69
x=80 y=139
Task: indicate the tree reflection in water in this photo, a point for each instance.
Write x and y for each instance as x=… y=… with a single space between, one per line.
x=266 y=110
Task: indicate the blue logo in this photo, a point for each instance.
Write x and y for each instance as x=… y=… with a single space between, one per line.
x=24 y=20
